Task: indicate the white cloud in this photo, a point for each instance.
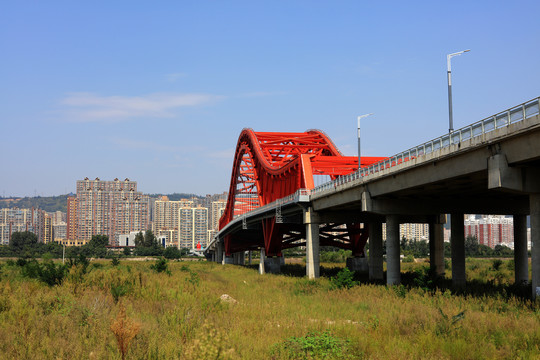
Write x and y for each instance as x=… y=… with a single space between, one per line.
x=88 y=107
x=175 y=76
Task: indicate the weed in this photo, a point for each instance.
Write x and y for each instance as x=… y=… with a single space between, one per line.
x=343 y=279
x=118 y=290
x=193 y=278
x=496 y=264
x=115 y=261
x=400 y=290
x=305 y=287
x=124 y=330
x=447 y=324
x=315 y=345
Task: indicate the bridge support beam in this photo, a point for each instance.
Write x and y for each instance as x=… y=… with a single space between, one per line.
x=249 y=257
x=436 y=246
x=376 y=271
x=534 y=200
x=393 y=264
x=312 y=244
x=228 y=259
x=521 y=258
x=457 y=244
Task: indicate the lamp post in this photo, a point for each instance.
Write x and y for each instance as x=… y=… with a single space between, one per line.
x=359 y=152
x=449 y=73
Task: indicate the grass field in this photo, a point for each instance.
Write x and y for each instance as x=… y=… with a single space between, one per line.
x=183 y=313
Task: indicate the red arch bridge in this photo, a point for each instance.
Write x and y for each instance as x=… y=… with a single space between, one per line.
x=489 y=167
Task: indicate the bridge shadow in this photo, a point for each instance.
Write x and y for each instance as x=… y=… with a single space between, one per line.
x=422 y=279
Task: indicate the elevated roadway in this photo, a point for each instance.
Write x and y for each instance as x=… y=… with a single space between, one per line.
x=489 y=167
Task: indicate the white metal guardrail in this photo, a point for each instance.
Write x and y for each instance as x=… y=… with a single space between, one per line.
x=513 y=115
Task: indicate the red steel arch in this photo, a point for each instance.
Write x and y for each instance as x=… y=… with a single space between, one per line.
x=271 y=165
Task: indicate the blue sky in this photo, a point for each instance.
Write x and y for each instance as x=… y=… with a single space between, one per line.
x=159 y=91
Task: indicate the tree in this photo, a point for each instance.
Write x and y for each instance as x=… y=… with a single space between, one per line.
x=471 y=245
x=172 y=252
x=147 y=244
x=99 y=241
x=139 y=239
x=150 y=239
x=24 y=240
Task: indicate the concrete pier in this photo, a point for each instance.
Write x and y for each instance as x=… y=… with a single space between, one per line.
x=376 y=271
x=457 y=243
x=393 y=263
x=261 y=262
x=272 y=265
x=436 y=246
x=534 y=200
x=521 y=258
x=358 y=264
x=219 y=256
x=312 y=244
x=239 y=258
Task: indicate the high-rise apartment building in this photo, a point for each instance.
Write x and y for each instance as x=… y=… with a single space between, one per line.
x=490 y=230
x=193 y=227
x=108 y=208
x=411 y=231
x=218 y=207
x=71 y=230
x=17 y=220
x=165 y=217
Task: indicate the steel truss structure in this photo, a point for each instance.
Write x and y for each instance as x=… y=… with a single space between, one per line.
x=271 y=165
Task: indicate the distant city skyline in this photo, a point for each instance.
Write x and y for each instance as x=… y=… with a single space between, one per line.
x=160 y=92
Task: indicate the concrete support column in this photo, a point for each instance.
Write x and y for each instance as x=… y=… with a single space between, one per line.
x=376 y=271
x=535 y=243
x=521 y=258
x=312 y=244
x=249 y=257
x=436 y=247
x=261 y=262
x=228 y=259
x=393 y=263
x=219 y=252
x=457 y=243
x=239 y=258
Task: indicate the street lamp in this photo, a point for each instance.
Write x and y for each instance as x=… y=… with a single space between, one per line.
x=359 y=153
x=449 y=72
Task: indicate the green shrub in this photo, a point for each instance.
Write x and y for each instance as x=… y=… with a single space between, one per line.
x=496 y=264
x=315 y=345
x=115 y=261
x=48 y=272
x=343 y=279
x=161 y=265
x=172 y=252
x=408 y=259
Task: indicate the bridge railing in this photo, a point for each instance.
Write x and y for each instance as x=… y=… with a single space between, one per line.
x=504 y=118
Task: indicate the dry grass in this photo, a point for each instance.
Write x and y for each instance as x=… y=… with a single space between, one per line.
x=182 y=317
